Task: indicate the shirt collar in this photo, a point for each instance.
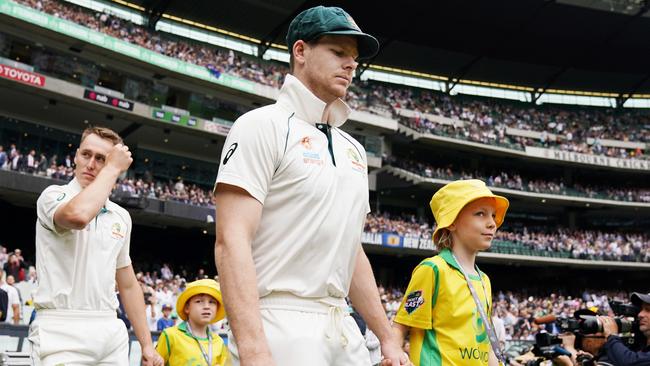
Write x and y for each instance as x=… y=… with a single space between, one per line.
x=449 y=258
x=75 y=186
x=183 y=327
x=295 y=96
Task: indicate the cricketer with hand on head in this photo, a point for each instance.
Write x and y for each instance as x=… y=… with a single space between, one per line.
x=82 y=252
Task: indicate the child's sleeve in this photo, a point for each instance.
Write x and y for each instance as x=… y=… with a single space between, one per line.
x=420 y=297
x=163 y=348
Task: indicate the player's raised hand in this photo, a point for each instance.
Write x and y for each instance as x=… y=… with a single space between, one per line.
x=119 y=158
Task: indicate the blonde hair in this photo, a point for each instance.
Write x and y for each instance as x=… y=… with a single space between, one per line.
x=444 y=240
x=103 y=132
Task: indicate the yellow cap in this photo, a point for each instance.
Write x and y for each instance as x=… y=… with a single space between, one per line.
x=206 y=286
x=447 y=203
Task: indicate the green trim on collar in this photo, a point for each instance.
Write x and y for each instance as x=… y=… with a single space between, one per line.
x=449 y=258
x=183 y=327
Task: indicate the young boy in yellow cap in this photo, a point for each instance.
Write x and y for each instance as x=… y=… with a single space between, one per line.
x=191 y=342
x=448 y=300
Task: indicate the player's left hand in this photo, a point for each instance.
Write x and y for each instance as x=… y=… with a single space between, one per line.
x=393 y=355
x=151 y=358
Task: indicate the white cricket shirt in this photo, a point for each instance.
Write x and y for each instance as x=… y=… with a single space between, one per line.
x=314 y=190
x=76 y=268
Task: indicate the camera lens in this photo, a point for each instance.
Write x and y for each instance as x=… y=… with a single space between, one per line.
x=590 y=324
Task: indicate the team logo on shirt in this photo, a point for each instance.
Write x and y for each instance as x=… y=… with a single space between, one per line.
x=355 y=160
x=61 y=196
x=116 y=231
x=413 y=301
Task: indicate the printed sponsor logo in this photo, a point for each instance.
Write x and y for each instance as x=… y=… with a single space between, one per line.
x=473 y=353
x=312 y=158
x=22 y=76
x=108 y=100
x=413 y=301
x=229 y=153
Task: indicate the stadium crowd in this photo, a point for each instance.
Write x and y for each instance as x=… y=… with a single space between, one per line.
x=40 y=164
x=513 y=180
x=579 y=244
x=162 y=285
x=482 y=120
x=179 y=191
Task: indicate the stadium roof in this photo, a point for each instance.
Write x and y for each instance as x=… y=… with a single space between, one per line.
x=548 y=44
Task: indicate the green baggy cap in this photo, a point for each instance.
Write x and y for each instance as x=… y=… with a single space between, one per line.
x=320 y=20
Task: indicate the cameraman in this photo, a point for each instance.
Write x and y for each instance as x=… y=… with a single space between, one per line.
x=615 y=352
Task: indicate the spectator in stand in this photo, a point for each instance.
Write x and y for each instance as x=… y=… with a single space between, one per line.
x=166 y=272
x=53 y=160
x=16 y=160
x=165 y=321
x=4 y=257
x=42 y=164
x=16 y=266
x=13 y=303
x=31 y=162
x=164 y=293
x=3 y=157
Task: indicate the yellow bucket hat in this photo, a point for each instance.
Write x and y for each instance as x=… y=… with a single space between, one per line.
x=206 y=286
x=447 y=203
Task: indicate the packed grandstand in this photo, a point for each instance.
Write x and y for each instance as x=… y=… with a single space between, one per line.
x=577 y=176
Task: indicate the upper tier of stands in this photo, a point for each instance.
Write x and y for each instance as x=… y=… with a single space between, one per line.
x=485 y=120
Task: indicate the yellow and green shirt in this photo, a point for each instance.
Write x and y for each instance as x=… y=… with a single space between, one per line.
x=178 y=348
x=446 y=327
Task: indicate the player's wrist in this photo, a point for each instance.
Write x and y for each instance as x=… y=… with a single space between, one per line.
x=112 y=170
x=391 y=340
x=146 y=341
x=253 y=347
x=253 y=356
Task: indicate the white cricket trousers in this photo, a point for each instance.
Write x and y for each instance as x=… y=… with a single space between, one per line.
x=314 y=332
x=74 y=337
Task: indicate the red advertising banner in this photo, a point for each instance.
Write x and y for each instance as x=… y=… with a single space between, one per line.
x=22 y=76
